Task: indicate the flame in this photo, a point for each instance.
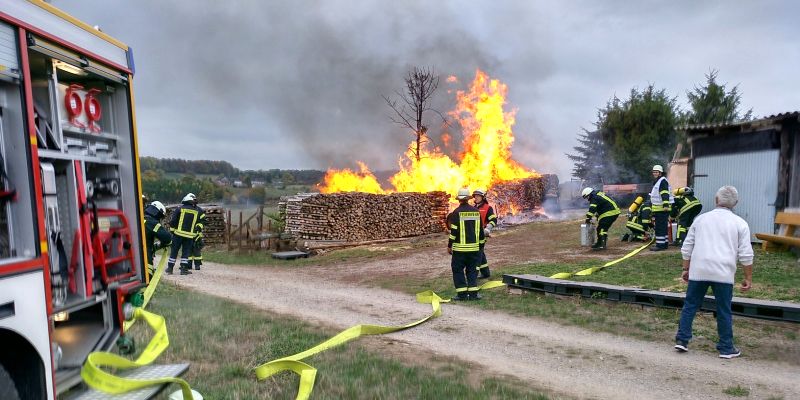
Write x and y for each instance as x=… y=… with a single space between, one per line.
x=485 y=158
x=346 y=180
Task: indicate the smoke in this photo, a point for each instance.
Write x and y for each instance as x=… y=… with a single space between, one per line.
x=303 y=82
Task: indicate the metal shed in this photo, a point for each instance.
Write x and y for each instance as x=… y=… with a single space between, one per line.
x=761 y=158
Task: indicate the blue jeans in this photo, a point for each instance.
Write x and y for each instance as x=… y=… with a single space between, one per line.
x=723 y=293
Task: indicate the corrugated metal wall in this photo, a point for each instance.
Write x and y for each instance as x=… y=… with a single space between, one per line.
x=8 y=49
x=755 y=176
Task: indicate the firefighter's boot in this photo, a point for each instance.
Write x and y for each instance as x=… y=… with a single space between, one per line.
x=601 y=243
x=168 y=270
x=626 y=237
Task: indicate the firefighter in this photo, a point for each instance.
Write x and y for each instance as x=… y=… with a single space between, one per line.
x=183 y=226
x=197 y=247
x=464 y=244
x=488 y=222
x=153 y=214
x=685 y=209
x=606 y=211
x=661 y=198
x=639 y=222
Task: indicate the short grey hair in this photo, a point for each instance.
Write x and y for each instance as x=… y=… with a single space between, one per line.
x=727 y=196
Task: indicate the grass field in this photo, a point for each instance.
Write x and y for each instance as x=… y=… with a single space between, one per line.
x=224 y=341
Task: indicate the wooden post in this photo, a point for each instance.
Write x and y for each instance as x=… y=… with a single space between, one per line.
x=240 y=230
x=228 y=231
x=260 y=218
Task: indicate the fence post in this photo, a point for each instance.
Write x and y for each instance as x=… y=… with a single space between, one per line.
x=228 y=231
x=240 y=230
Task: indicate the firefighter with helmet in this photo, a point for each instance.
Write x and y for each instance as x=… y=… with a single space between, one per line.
x=196 y=258
x=685 y=209
x=183 y=225
x=464 y=244
x=488 y=222
x=639 y=220
x=606 y=211
x=153 y=214
x=661 y=200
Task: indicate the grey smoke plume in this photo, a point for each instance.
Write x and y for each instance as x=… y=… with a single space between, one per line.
x=278 y=83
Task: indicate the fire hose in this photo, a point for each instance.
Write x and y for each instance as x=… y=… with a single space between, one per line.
x=99 y=379
x=308 y=373
x=589 y=271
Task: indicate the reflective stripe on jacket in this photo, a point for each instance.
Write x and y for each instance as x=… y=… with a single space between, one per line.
x=466 y=232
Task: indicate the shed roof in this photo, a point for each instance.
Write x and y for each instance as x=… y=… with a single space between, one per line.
x=740 y=125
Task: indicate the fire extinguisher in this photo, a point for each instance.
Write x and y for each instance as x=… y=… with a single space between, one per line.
x=93 y=110
x=72 y=100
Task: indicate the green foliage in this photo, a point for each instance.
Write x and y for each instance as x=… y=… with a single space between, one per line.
x=257 y=195
x=590 y=159
x=712 y=103
x=737 y=391
x=158 y=187
x=631 y=136
x=224 y=168
x=638 y=132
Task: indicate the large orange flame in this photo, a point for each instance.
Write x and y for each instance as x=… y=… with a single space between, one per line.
x=484 y=161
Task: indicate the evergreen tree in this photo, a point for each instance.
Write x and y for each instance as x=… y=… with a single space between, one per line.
x=712 y=103
x=590 y=159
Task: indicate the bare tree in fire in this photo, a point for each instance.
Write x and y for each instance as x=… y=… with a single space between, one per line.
x=410 y=108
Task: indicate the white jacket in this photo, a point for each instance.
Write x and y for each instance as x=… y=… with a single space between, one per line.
x=715 y=241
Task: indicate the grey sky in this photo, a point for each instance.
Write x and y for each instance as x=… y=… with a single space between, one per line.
x=287 y=84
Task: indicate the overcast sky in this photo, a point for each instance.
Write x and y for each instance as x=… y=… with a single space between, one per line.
x=298 y=84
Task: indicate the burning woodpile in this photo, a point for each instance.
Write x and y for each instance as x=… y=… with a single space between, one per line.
x=361 y=216
x=523 y=195
x=214 y=229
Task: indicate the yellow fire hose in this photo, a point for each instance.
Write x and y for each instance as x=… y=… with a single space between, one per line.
x=308 y=373
x=589 y=271
x=99 y=379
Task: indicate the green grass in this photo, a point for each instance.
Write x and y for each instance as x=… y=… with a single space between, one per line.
x=224 y=341
x=737 y=391
x=776 y=275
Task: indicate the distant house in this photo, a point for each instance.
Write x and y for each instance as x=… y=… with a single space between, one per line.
x=238 y=184
x=258 y=183
x=761 y=158
x=223 y=181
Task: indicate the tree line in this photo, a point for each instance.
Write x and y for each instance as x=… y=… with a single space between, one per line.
x=224 y=169
x=632 y=134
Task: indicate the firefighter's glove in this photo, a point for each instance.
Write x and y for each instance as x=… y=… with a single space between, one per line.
x=487 y=231
x=588 y=221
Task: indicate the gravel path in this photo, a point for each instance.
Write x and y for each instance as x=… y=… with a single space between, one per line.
x=565 y=360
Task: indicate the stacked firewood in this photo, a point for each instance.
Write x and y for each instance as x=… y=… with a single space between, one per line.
x=361 y=216
x=513 y=197
x=214 y=229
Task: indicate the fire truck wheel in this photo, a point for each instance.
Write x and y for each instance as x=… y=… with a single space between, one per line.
x=8 y=391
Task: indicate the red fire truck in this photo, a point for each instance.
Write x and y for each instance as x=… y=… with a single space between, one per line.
x=71 y=248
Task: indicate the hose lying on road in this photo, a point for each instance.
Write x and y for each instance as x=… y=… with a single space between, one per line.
x=308 y=373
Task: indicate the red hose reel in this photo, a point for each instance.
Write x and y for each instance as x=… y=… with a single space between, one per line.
x=88 y=105
x=74 y=105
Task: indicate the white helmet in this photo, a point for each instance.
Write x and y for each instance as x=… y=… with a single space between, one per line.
x=189 y=197
x=658 y=168
x=463 y=194
x=157 y=204
x=586 y=192
x=479 y=192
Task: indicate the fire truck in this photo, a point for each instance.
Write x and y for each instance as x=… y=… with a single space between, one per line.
x=71 y=248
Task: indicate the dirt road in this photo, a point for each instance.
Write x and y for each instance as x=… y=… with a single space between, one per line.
x=568 y=361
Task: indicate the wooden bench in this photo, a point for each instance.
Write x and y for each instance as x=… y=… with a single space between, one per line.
x=788 y=224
